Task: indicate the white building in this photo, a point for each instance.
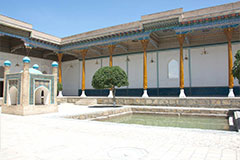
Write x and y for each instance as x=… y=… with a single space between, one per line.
x=189 y=51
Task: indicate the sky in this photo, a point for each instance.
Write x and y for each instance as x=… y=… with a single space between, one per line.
x=63 y=18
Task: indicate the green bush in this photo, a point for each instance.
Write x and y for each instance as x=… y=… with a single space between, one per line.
x=236 y=66
x=59 y=87
x=109 y=78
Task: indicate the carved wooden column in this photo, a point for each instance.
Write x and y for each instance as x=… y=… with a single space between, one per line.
x=228 y=32
x=144 y=45
x=83 y=52
x=60 y=55
x=181 y=38
x=111 y=50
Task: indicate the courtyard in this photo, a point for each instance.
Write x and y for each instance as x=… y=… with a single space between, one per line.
x=51 y=136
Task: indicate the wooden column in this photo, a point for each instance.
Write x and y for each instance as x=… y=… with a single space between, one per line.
x=60 y=55
x=228 y=32
x=111 y=50
x=144 y=45
x=181 y=38
x=83 y=52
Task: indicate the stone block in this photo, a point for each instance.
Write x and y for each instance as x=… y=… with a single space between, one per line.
x=149 y=102
x=163 y=102
x=100 y=101
x=226 y=102
x=215 y=102
x=172 y=102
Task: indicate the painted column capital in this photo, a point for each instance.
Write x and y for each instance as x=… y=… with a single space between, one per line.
x=181 y=38
x=228 y=32
x=111 y=48
x=84 y=52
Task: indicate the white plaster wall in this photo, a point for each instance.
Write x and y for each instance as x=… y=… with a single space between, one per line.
x=105 y=62
x=135 y=71
x=70 y=77
x=44 y=65
x=164 y=58
x=151 y=70
x=210 y=69
x=90 y=67
x=121 y=62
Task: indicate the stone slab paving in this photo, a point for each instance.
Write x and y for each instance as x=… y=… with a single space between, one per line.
x=52 y=137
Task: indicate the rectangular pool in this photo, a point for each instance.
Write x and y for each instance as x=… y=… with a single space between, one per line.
x=213 y=123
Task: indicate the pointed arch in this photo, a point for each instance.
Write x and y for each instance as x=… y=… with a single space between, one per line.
x=13 y=93
x=173 y=69
x=42 y=96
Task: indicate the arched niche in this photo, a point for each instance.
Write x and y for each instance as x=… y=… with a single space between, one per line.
x=13 y=93
x=173 y=69
x=42 y=96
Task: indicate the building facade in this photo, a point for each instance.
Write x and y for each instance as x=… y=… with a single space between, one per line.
x=172 y=53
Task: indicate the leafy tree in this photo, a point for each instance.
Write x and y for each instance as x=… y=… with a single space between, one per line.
x=236 y=66
x=110 y=77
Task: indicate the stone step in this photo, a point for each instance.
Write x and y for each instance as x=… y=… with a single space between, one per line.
x=182 y=111
x=86 y=101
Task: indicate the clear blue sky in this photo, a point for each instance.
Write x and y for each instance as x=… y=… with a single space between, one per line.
x=67 y=17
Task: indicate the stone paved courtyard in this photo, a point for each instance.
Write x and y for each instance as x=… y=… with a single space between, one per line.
x=50 y=137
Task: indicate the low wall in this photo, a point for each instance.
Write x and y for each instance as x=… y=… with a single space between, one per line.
x=180 y=111
x=206 y=102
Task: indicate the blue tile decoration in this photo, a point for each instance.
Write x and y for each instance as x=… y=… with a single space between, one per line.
x=13 y=79
x=37 y=80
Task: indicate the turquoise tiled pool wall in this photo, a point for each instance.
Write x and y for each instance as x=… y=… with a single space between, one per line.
x=166 y=92
x=13 y=80
x=38 y=80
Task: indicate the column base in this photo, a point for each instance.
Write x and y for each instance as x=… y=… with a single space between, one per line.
x=83 y=94
x=60 y=94
x=145 y=94
x=231 y=93
x=110 y=94
x=182 y=94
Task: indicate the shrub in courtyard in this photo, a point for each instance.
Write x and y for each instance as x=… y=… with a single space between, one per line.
x=110 y=77
x=236 y=66
x=59 y=87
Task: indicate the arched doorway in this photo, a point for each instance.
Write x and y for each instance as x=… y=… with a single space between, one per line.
x=1 y=80
x=13 y=92
x=41 y=96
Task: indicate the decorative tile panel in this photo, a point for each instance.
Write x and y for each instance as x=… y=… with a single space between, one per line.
x=12 y=80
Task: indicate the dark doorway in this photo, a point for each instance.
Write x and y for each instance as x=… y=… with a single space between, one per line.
x=1 y=88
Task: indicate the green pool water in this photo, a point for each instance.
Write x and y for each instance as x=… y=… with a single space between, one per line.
x=214 y=123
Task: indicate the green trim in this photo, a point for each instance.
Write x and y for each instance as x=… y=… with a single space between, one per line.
x=196 y=46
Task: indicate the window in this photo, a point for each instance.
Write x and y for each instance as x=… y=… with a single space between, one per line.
x=173 y=71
